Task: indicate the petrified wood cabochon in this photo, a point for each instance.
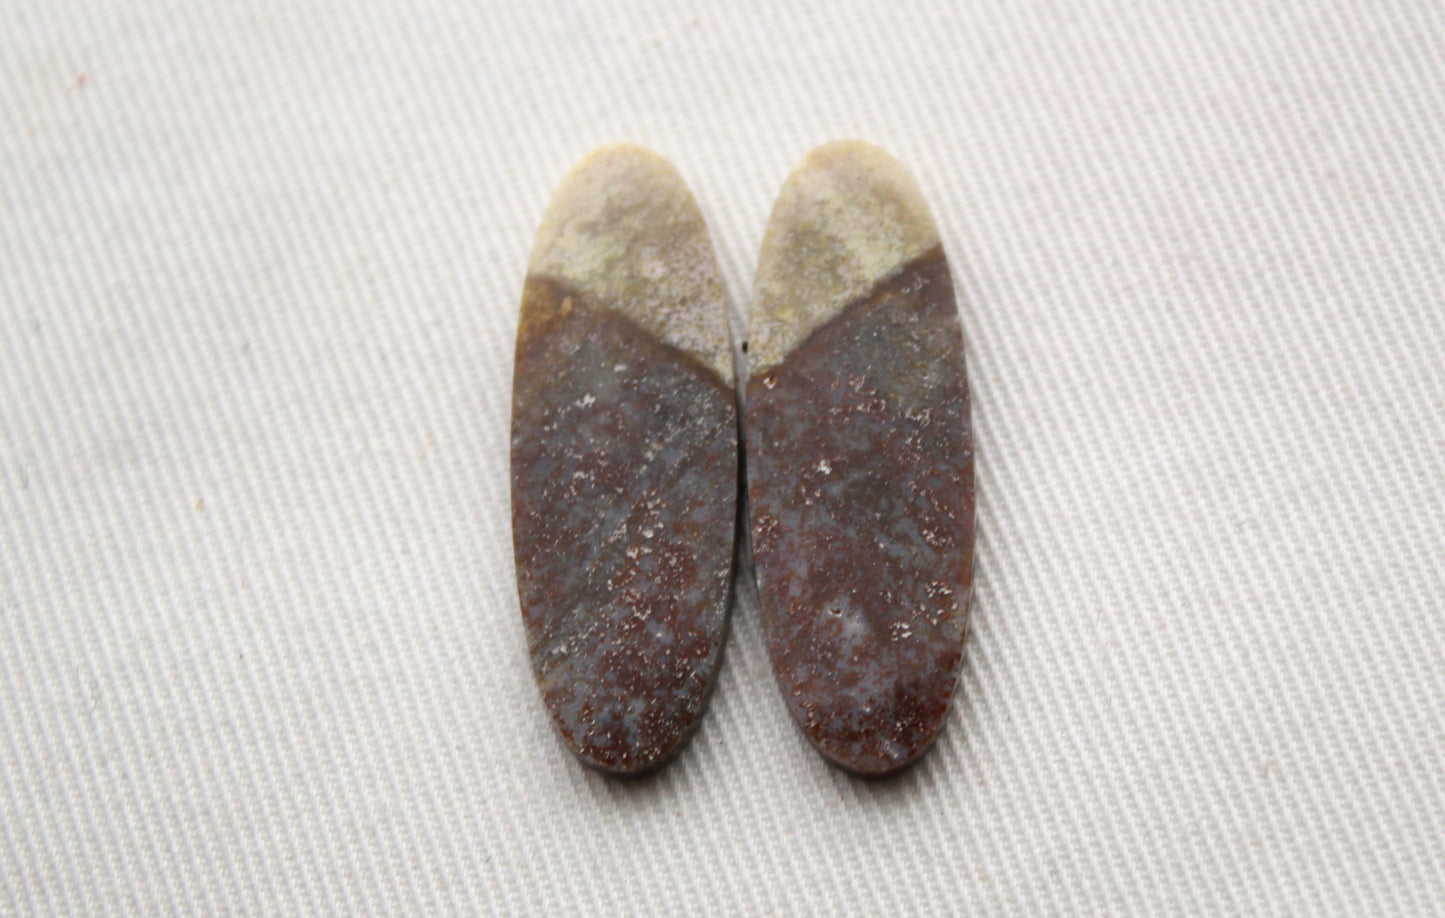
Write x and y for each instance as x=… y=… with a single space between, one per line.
x=624 y=461
x=860 y=459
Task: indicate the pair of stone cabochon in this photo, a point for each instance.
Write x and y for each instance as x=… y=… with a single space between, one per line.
x=859 y=460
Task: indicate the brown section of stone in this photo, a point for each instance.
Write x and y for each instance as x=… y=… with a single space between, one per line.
x=860 y=478
x=624 y=502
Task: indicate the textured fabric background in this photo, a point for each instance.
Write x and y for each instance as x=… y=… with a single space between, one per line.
x=259 y=643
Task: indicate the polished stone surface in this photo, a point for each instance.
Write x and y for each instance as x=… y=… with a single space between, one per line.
x=624 y=461
x=860 y=460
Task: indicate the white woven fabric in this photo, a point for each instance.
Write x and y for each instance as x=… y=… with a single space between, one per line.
x=259 y=643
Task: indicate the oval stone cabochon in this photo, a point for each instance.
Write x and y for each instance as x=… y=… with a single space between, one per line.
x=624 y=461
x=859 y=459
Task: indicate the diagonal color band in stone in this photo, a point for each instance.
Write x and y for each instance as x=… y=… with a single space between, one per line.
x=624 y=461
x=860 y=461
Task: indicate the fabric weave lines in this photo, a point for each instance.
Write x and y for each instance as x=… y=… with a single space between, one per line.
x=260 y=650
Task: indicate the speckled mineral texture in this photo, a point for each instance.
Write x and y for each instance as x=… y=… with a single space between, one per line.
x=624 y=461
x=860 y=460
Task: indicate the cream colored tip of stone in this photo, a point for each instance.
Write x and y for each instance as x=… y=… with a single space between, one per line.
x=848 y=217
x=623 y=227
